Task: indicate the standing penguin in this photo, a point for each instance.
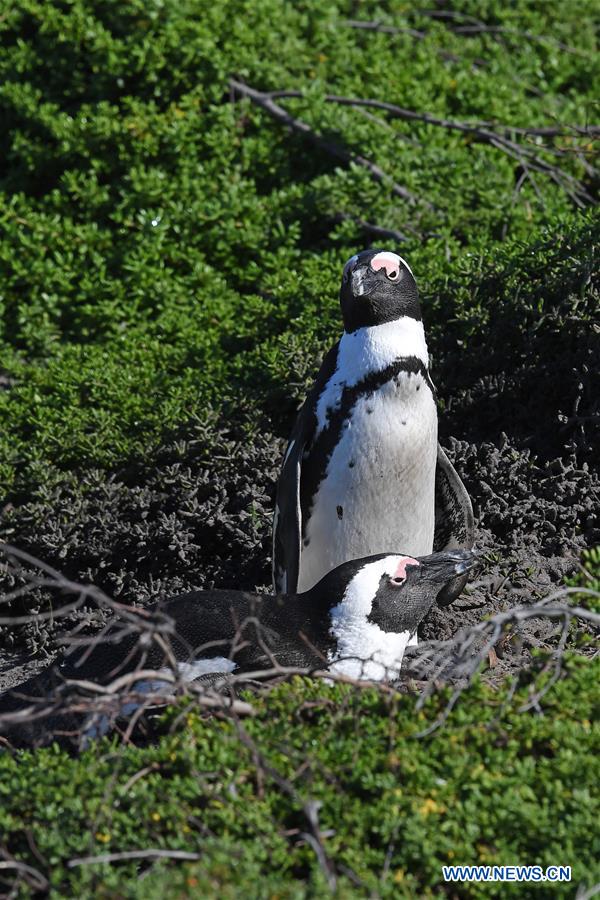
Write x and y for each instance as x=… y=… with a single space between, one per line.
x=363 y=470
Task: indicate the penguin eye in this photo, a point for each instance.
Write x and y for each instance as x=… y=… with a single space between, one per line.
x=393 y=276
x=397 y=581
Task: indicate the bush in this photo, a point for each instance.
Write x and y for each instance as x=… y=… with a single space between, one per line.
x=163 y=247
x=488 y=788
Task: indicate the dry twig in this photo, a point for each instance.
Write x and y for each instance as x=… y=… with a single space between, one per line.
x=33 y=877
x=132 y=854
x=454 y=660
x=266 y=102
x=493 y=135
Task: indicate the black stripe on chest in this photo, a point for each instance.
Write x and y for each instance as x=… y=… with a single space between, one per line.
x=317 y=458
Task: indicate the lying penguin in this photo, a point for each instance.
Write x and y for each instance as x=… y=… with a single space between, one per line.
x=363 y=469
x=357 y=621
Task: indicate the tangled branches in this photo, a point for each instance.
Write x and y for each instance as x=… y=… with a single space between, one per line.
x=87 y=702
x=504 y=138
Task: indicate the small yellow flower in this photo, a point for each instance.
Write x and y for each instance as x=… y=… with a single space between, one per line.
x=103 y=837
x=155 y=817
x=485 y=852
x=430 y=806
x=399 y=875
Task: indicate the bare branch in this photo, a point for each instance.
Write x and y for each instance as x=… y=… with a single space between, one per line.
x=584 y=893
x=132 y=854
x=412 y=32
x=474 y=27
x=153 y=767
x=265 y=101
x=462 y=656
x=32 y=876
x=447 y=55
x=385 y=29
x=310 y=808
x=370 y=228
x=479 y=133
x=95 y=706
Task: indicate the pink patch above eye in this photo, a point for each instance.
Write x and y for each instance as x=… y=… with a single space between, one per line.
x=403 y=562
x=391 y=262
x=388 y=261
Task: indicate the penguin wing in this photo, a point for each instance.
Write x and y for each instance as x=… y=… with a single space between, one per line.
x=287 y=524
x=454 y=521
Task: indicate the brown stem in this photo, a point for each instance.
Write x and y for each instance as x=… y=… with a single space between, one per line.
x=266 y=102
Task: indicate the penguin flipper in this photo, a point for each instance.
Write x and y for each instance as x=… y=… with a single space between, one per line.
x=287 y=525
x=454 y=521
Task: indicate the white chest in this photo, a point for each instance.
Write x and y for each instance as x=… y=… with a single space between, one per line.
x=378 y=491
x=370 y=350
x=367 y=653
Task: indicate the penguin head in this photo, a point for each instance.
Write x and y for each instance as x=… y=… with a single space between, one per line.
x=377 y=286
x=405 y=595
x=391 y=591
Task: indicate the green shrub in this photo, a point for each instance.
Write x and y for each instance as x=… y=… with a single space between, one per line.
x=517 y=790
x=494 y=785
x=163 y=248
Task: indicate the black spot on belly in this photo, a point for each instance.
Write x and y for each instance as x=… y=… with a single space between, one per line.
x=369 y=410
x=306 y=542
x=340 y=512
x=418 y=387
x=351 y=464
x=404 y=421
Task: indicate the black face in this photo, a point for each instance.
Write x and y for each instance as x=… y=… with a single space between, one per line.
x=377 y=287
x=402 y=601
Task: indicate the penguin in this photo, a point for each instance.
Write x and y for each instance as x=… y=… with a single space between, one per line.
x=363 y=471
x=356 y=621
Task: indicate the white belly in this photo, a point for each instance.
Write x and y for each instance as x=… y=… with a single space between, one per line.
x=378 y=493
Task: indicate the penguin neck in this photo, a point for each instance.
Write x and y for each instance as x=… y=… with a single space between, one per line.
x=362 y=588
x=374 y=347
x=355 y=582
x=363 y=649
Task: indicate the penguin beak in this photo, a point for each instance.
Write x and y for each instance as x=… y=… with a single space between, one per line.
x=450 y=563
x=467 y=563
x=465 y=560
